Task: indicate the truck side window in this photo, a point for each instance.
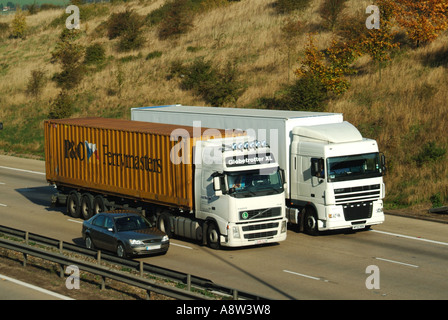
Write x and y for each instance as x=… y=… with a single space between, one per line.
x=317 y=167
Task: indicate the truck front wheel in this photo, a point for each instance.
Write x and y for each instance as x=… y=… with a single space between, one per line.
x=213 y=236
x=310 y=221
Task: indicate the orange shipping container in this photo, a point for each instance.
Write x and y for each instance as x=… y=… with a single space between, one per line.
x=130 y=159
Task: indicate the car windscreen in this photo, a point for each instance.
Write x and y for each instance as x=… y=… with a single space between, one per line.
x=130 y=223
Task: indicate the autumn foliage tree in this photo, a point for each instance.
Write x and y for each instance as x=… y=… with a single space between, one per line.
x=423 y=21
x=329 y=69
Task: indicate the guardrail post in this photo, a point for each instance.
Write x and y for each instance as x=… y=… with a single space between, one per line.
x=235 y=294
x=103 y=282
x=189 y=282
x=25 y=258
x=148 y=294
x=141 y=269
x=61 y=246
x=61 y=271
x=98 y=257
x=26 y=237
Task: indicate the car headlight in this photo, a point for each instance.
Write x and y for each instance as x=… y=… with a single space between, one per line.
x=134 y=242
x=165 y=238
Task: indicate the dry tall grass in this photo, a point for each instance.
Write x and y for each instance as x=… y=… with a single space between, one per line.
x=404 y=109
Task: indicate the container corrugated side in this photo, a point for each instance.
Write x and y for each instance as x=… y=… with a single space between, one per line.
x=122 y=158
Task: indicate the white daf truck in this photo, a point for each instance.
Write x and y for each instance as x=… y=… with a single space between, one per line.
x=334 y=176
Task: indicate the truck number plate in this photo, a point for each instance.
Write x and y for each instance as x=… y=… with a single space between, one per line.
x=358 y=226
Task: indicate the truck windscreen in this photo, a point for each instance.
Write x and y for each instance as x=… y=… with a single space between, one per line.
x=254 y=182
x=353 y=167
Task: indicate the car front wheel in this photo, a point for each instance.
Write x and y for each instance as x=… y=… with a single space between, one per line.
x=89 y=243
x=121 y=252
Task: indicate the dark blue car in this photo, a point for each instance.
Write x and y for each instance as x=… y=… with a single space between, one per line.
x=128 y=234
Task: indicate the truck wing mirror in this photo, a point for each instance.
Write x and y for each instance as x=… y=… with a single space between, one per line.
x=217 y=185
x=383 y=163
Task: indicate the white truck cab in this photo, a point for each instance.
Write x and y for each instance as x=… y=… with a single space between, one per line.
x=240 y=187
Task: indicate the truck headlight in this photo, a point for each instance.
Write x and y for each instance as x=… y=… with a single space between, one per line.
x=236 y=232
x=283 y=230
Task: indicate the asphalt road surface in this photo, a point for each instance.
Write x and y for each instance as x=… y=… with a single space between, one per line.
x=401 y=259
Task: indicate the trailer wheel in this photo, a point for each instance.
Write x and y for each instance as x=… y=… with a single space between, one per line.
x=87 y=206
x=310 y=221
x=98 y=205
x=213 y=236
x=73 y=204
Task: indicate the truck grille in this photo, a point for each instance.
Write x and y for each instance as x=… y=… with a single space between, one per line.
x=260 y=213
x=360 y=210
x=357 y=194
x=259 y=235
x=260 y=230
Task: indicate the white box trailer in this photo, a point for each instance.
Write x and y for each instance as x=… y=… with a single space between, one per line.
x=333 y=174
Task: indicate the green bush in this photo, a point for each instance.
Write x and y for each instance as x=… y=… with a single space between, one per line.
x=36 y=83
x=287 y=6
x=307 y=94
x=62 y=106
x=216 y=86
x=127 y=26
x=177 y=20
x=95 y=54
x=430 y=152
x=153 y=55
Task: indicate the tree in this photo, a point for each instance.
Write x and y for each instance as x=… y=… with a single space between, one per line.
x=329 y=71
x=69 y=53
x=331 y=12
x=423 y=21
x=18 y=25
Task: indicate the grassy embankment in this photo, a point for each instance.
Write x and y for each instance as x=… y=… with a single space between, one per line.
x=406 y=109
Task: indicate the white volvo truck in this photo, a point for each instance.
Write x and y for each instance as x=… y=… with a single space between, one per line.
x=334 y=176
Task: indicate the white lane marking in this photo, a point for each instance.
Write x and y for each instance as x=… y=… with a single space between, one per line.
x=397 y=262
x=180 y=245
x=305 y=276
x=3 y=205
x=71 y=220
x=409 y=237
x=54 y=294
x=2 y=183
x=22 y=170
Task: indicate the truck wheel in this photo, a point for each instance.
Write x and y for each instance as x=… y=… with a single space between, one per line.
x=310 y=221
x=86 y=206
x=164 y=225
x=98 y=205
x=213 y=236
x=73 y=204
